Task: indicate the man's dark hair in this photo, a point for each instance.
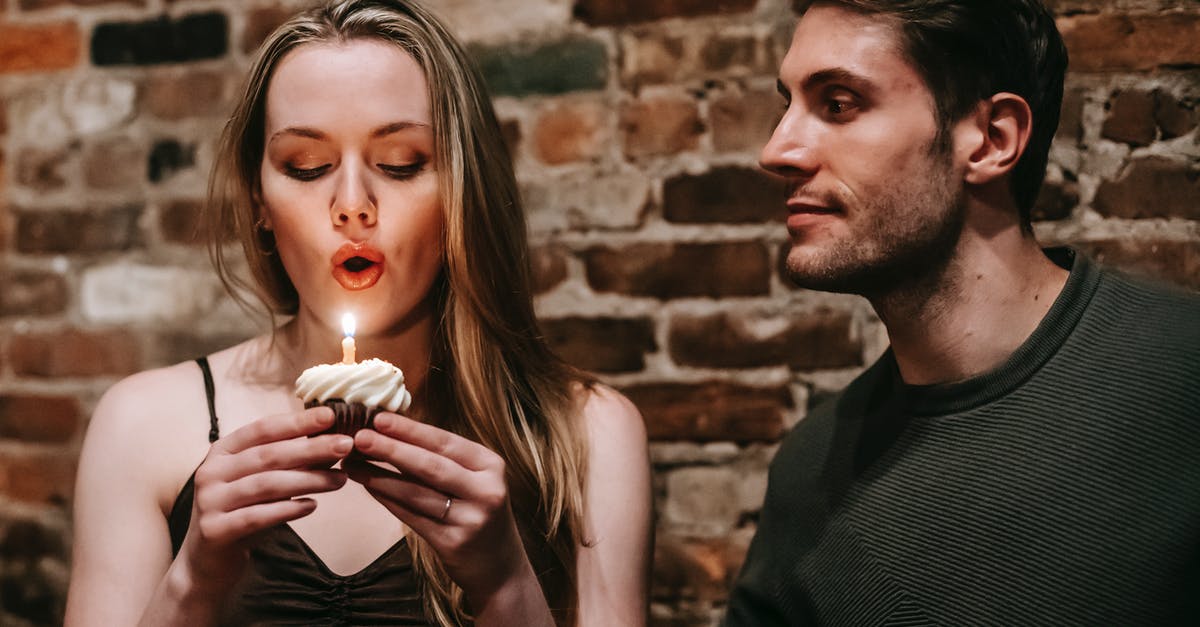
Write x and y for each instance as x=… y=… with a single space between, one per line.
x=969 y=50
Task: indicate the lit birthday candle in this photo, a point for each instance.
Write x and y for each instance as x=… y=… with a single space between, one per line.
x=348 y=341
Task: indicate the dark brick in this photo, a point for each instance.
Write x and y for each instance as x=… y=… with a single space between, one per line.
x=666 y=270
x=77 y=231
x=260 y=23
x=161 y=40
x=549 y=264
x=712 y=412
x=511 y=130
x=53 y=419
x=44 y=170
x=601 y=344
x=1130 y=118
x=167 y=157
x=804 y=341
x=31 y=592
x=1175 y=118
x=1153 y=187
x=28 y=293
x=1176 y=262
x=724 y=53
x=744 y=121
x=74 y=353
x=1055 y=201
x=181 y=222
x=727 y=194
x=618 y=12
x=33 y=5
x=1070 y=120
x=574 y=64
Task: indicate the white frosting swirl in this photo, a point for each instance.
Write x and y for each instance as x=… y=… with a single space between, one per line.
x=372 y=382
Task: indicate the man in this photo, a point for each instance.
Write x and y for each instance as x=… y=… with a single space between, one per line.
x=1028 y=450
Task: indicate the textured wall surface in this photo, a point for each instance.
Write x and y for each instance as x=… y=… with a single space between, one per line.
x=635 y=126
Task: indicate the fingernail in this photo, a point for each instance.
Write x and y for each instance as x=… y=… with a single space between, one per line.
x=343 y=444
x=383 y=421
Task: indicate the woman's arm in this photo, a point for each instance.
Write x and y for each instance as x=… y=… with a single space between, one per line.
x=613 y=568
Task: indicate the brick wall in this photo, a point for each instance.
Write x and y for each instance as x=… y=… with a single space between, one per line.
x=635 y=127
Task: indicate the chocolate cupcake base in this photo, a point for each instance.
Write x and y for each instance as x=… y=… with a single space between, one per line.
x=348 y=418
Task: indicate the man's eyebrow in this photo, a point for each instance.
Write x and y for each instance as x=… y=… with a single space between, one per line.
x=834 y=75
x=396 y=127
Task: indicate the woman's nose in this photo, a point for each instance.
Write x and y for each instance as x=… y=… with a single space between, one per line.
x=353 y=204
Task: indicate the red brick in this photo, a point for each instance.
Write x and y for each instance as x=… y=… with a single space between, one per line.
x=174 y=96
x=1153 y=187
x=723 y=54
x=660 y=126
x=38 y=475
x=1056 y=201
x=744 y=121
x=115 y=164
x=697 y=568
x=39 y=418
x=1176 y=262
x=76 y=231
x=549 y=267
x=74 y=353
x=570 y=132
x=259 y=24
x=1130 y=118
x=666 y=270
x=712 y=412
x=650 y=58
x=29 y=293
x=601 y=344
x=617 y=12
x=1130 y=42
x=39 y=47
x=728 y=194
x=44 y=170
x=802 y=340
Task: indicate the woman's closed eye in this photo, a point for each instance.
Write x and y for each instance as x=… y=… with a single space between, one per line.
x=401 y=172
x=305 y=174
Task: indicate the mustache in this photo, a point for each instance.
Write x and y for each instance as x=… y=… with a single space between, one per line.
x=824 y=197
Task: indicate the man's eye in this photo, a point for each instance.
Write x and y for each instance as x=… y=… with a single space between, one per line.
x=305 y=174
x=401 y=172
x=840 y=108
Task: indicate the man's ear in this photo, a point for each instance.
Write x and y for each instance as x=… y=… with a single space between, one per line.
x=1002 y=125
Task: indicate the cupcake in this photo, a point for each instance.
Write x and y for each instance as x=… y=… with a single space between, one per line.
x=355 y=392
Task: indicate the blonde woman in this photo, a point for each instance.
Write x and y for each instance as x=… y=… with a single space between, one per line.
x=523 y=491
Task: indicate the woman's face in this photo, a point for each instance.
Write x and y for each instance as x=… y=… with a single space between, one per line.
x=348 y=182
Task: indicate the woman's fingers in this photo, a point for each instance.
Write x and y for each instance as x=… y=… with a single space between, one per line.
x=318 y=451
x=416 y=497
x=276 y=485
x=223 y=528
x=418 y=463
x=276 y=428
x=468 y=454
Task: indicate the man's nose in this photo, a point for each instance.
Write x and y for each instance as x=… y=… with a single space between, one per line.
x=791 y=151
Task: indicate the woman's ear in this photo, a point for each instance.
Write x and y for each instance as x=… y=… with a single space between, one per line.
x=260 y=209
x=1004 y=123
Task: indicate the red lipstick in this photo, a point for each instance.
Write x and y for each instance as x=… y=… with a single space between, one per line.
x=357 y=265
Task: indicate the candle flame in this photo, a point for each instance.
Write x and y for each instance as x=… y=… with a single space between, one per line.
x=348 y=324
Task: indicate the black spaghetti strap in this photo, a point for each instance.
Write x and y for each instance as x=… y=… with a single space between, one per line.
x=210 y=391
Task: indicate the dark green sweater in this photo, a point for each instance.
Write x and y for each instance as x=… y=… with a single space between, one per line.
x=1062 y=488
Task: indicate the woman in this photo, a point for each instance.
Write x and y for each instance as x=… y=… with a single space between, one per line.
x=523 y=492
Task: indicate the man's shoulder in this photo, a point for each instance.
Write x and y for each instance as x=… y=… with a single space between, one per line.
x=1168 y=312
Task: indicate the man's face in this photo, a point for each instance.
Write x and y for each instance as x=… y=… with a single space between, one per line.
x=874 y=196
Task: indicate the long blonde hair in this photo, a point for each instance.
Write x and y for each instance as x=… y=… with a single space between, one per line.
x=492 y=377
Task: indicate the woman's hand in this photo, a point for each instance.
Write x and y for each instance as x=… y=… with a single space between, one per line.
x=254 y=479
x=454 y=494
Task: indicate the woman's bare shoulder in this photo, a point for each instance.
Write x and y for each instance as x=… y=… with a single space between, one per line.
x=611 y=420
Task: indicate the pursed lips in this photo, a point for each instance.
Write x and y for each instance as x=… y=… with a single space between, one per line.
x=357 y=265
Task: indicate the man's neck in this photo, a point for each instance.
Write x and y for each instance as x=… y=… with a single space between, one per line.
x=970 y=316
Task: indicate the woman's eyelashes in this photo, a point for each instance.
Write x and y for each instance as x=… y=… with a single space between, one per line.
x=399 y=172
